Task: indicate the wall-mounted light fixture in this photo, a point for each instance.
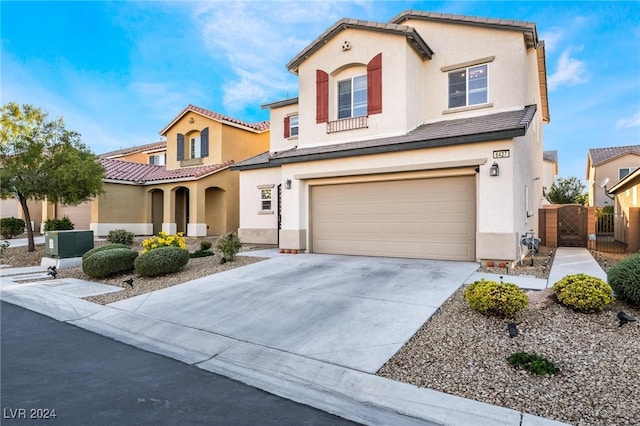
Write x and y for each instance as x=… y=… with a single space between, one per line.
x=494 y=170
x=287 y=184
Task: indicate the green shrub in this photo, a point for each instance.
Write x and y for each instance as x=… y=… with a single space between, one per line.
x=161 y=261
x=205 y=245
x=101 y=248
x=109 y=262
x=63 y=224
x=120 y=236
x=493 y=298
x=532 y=363
x=201 y=253
x=229 y=245
x=624 y=278
x=583 y=293
x=11 y=226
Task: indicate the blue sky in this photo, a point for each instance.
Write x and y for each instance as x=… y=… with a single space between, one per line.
x=119 y=71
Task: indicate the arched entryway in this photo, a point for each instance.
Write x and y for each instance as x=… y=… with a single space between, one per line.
x=157 y=210
x=181 y=212
x=215 y=210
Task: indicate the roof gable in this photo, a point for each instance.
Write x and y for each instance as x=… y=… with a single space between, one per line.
x=527 y=28
x=258 y=127
x=155 y=146
x=418 y=44
x=599 y=156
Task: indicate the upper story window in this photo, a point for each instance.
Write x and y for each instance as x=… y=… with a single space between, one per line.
x=352 y=97
x=291 y=126
x=468 y=86
x=358 y=96
x=195 y=147
x=622 y=173
x=158 y=159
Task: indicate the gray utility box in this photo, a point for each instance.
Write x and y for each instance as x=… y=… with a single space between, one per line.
x=67 y=244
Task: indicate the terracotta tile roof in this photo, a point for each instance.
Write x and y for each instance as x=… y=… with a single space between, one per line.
x=600 y=156
x=483 y=128
x=419 y=45
x=140 y=148
x=225 y=119
x=142 y=173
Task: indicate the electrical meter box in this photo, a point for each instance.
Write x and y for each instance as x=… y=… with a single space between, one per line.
x=67 y=244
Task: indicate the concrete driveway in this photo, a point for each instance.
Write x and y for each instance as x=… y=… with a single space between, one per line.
x=354 y=312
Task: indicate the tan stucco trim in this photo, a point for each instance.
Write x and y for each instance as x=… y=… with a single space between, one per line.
x=468 y=108
x=268 y=186
x=394 y=169
x=468 y=63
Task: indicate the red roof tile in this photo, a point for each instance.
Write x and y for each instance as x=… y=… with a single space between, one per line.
x=140 y=148
x=258 y=127
x=143 y=173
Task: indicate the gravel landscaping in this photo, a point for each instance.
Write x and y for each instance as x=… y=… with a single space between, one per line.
x=462 y=352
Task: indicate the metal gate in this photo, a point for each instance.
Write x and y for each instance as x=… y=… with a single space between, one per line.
x=605 y=238
x=572 y=226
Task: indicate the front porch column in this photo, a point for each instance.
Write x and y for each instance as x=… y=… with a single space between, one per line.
x=168 y=209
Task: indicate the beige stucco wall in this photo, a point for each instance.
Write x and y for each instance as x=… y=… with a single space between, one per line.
x=240 y=144
x=415 y=91
x=596 y=175
x=624 y=201
x=501 y=211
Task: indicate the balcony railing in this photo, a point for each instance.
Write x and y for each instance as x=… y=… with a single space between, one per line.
x=347 y=124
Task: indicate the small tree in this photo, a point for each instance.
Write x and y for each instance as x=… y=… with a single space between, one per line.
x=567 y=191
x=41 y=159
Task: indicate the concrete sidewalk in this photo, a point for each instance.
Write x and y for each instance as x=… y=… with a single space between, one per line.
x=567 y=261
x=322 y=380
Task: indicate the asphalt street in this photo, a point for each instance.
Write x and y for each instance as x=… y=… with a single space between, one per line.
x=53 y=373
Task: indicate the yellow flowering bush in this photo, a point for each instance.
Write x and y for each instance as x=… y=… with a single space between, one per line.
x=164 y=240
x=583 y=293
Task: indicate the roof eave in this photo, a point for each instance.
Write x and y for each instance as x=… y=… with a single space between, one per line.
x=398 y=147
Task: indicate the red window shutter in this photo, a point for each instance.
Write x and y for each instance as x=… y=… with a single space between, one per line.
x=287 y=128
x=322 y=96
x=374 y=85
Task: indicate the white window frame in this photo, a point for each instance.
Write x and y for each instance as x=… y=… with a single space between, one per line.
x=359 y=110
x=294 y=126
x=158 y=159
x=629 y=171
x=469 y=92
x=195 y=147
x=266 y=199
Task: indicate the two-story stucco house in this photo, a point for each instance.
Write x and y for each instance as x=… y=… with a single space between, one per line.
x=420 y=138
x=609 y=165
x=183 y=184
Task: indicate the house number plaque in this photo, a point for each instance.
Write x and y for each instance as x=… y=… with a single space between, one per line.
x=503 y=153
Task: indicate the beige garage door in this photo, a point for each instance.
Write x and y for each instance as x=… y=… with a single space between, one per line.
x=422 y=218
x=79 y=215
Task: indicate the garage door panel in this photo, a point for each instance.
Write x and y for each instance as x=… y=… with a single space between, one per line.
x=422 y=218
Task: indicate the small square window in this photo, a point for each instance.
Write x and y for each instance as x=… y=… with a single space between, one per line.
x=293 y=125
x=622 y=173
x=265 y=199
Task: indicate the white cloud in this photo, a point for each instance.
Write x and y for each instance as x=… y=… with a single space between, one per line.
x=569 y=71
x=256 y=40
x=629 y=122
x=552 y=38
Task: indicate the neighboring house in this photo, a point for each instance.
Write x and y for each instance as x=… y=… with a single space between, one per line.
x=627 y=210
x=10 y=207
x=153 y=153
x=549 y=171
x=181 y=185
x=417 y=138
x=613 y=163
